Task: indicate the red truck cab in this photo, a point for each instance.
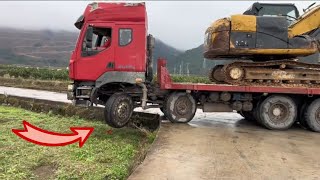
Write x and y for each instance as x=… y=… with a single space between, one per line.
x=111 y=48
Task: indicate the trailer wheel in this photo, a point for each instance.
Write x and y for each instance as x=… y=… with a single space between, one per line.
x=180 y=107
x=118 y=110
x=312 y=115
x=256 y=112
x=277 y=112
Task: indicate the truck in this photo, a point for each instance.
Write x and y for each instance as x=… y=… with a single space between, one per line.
x=112 y=66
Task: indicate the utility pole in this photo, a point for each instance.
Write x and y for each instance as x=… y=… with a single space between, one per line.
x=188 y=69
x=182 y=68
x=204 y=63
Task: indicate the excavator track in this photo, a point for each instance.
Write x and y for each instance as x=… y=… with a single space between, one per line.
x=270 y=73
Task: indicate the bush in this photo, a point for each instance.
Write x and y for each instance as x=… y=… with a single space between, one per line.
x=63 y=74
x=35 y=73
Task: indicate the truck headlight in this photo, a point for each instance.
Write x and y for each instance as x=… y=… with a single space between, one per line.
x=70 y=87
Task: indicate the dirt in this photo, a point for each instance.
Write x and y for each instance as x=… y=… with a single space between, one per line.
x=230 y=148
x=45 y=172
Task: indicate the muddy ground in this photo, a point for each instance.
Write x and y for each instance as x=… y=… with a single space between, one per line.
x=221 y=146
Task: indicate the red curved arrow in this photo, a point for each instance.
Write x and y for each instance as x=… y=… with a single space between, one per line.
x=46 y=138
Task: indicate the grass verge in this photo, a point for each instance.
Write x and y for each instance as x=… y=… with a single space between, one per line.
x=48 y=85
x=104 y=156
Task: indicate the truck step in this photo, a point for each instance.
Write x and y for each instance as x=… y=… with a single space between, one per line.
x=83 y=97
x=84 y=88
x=82 y=103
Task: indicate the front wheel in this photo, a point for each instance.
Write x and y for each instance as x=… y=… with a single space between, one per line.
x=180 y=107
x=118 y=110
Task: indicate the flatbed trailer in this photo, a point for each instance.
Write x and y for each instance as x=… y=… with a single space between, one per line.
x=166 y=83
x=275 y=107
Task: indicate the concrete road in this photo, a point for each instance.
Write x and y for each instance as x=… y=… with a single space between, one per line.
x=37 y=94
x=219 y=146
x=213 y=148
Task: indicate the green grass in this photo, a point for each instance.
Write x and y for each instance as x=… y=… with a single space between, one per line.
x=103 y=155
x=191 y=79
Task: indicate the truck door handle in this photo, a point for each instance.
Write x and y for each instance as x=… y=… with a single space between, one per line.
x=110 y=65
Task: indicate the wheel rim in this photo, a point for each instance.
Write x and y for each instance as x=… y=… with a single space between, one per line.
x=183 y=105
x=123 y=111
x=278 y=112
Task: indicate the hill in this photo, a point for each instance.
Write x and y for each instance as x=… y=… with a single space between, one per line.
x=192 y=62
x=36 y=48
x=45 y=48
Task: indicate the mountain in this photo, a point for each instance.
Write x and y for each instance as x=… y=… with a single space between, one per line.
x=192 y=60
x=52 y=48
x=36 y=48
x=166 y=51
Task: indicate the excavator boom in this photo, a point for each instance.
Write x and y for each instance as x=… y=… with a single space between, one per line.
x=309 y=21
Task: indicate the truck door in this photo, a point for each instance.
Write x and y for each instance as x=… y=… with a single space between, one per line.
x=96 y=54
x=130 y=54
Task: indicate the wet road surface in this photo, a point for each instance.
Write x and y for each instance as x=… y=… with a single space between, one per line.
x=219 y=146
x=37 y=94
x=213 y=148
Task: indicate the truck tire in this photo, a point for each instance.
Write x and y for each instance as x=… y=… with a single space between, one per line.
x=312 y=115
x=277 y=112
x=118 y=110
x=163 y=108
x=180 y=107
x=302 y=119
x=256 y=112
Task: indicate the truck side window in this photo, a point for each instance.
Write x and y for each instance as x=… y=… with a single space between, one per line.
x=100 y=40
x=125 y=37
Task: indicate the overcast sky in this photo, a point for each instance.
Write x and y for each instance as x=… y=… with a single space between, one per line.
x=179 y=23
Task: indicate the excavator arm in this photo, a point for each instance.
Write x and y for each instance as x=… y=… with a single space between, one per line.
x=309 y=21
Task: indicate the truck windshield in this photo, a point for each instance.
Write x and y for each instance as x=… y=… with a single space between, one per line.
x=101 y=40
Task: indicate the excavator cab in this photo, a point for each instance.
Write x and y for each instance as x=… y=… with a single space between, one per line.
x=287 y=10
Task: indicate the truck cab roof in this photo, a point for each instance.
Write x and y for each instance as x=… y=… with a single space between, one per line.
x=113 y=12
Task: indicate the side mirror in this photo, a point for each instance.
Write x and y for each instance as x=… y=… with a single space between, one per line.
x=89 y=35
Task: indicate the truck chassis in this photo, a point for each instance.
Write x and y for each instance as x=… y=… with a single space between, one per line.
x=275 y=107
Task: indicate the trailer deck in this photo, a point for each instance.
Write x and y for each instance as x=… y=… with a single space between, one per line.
x=166 y=82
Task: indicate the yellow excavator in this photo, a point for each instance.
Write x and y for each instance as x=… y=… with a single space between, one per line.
x=263 y=45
